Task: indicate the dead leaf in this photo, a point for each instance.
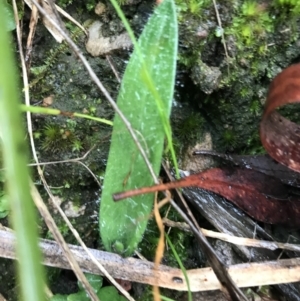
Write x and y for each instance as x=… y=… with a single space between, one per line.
x=280 y=136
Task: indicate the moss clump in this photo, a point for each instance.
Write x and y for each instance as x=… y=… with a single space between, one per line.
x=56 y=139
x=195 y=7
x=187 y=128
x=229 y=138
x=190 y=127
x=250 y=24
x=292 y=6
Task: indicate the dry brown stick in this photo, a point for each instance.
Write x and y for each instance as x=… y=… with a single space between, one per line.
x=113 y=68
x=136 y=270
x=32 y=27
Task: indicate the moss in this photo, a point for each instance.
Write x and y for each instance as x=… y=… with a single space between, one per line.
x=77 y=145
x=64 y=3
x=190 y=127
x=255 y=108
x=291 y=112
x=250 y=24
x=195 y=7
x=229 y=138
x=251 y=34
x=187 y=127
x=178 y=238
x=291 y=6
x=56 y=139
x=39 y=71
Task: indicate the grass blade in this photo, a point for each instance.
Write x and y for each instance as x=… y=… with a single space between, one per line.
x=17 y=177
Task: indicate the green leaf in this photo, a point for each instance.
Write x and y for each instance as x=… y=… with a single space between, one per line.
x=9 y=17
x=95 y=281
x=59 y=297
x=110 y=293
x=4 y=206
x=145 y=99
x=80 y=296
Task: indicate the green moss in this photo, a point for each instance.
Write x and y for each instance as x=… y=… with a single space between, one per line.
x=56 y=139
x=40 y=71
x=292 y=6
x=291 y=112
x=194 y=7
x=229 y=138
x=77 y=145
x=255 y=108
x=197 y=6
x=251 y=24
x=189 y=128
x=64 y=3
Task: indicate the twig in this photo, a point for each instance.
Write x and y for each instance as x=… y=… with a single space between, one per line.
x=160 y=246
x=59 y=238
x=113 y=68
x=75 y=160
x=242 y=241
x=32 y=28
x=220 y=25
x=132 y=269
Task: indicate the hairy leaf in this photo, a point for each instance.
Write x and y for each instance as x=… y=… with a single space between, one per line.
x=145 y=83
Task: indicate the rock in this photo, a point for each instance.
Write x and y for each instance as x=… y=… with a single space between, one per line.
x=98 y=45
x=100 y=8
x=206 y=77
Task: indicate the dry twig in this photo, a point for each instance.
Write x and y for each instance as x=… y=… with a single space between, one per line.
x=136 y=270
